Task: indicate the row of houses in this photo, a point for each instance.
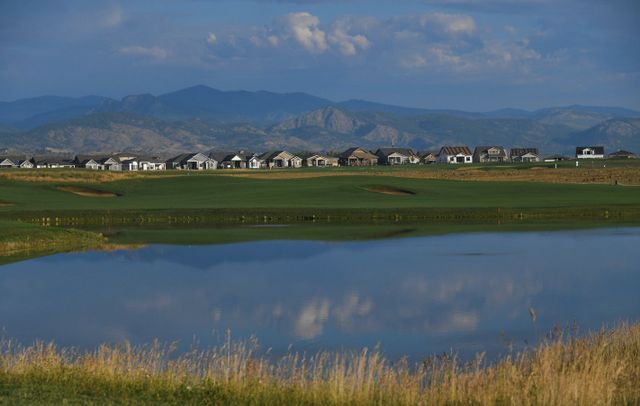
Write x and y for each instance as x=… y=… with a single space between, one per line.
x=355 y=156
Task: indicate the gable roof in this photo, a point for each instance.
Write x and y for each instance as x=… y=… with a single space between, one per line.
x=599 y=150
x=423 y=154
x=183 y=158
x=456 y=150
x=622 y=152
x=267 y=156
x=517 y=152
x=388 y=151
x=359 y=153
x=485 y=149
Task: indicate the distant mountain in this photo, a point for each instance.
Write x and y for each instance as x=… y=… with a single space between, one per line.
x=614 y=134
x=327 y=128
x=263 y=108
x=29 y=113
x=200 y=117
x=329 y=118
x=216 y=105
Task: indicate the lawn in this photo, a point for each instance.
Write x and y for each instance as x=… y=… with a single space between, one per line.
x=328 y=192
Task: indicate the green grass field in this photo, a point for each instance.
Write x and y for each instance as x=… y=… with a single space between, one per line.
x=191 y=199
x=203 y=191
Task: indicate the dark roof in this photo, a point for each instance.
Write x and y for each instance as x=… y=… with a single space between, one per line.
x=53 y=159
x=447 y=150
x=149 y=158
x=388 y=151
x=222 y=155
x=272 y=154
x=15 y=159
x=485 y=149
x=523 y=151
x=363 y=152
x=422 y=154
x=182 y=157
x=622 y=153
x=597 y=149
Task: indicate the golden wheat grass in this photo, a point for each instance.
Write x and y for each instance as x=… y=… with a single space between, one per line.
x=600 y=369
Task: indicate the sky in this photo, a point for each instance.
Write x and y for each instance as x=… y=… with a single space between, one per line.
x=476 y=55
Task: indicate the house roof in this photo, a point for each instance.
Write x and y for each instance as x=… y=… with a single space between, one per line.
x=44 y=160
x=388 y=151
x=456 y=150
x=183 y=158
x=599 y=150
x=15 y=159
x=485 y=149
x=359 y=153
x=613 y=154
x=423 y=154
x=516 y=152
x=274 y=154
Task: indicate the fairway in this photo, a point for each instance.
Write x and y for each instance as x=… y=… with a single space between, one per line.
x=204 y=191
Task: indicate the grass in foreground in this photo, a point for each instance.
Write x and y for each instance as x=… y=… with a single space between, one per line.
x=603 y=368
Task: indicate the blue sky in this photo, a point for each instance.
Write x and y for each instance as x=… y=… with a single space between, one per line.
x=465 y=54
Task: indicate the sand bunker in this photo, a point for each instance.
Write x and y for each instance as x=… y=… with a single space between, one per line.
x=4 y=203
x=87 y=192
x=389 y=190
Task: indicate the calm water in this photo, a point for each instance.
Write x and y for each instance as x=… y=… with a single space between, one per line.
x=414 y=296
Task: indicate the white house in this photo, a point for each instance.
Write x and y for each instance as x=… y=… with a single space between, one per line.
x=192 y=161
x=455 y=155
x=397 y=156
x=596 y=152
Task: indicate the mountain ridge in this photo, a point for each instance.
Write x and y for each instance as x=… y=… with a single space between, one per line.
x=200 y=117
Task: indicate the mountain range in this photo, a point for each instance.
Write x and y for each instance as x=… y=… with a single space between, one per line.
x=202 y=118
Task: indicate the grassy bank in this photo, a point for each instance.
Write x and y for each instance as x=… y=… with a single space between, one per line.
x=20 y=240
x=602 y=368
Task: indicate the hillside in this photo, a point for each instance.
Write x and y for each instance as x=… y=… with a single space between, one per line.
x=614 y=134
x=200 y=117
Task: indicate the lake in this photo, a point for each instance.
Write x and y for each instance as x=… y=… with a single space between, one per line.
x=415 y=296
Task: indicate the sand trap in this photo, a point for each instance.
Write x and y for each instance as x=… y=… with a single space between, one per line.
x=87 y=192
x=389 y=190
x=4 y=203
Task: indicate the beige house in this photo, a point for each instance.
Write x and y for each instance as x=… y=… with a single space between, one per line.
x=357 y=157
x=281 y=159
x=320 y=161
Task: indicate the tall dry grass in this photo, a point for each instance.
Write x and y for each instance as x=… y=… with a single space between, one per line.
x=600 y=369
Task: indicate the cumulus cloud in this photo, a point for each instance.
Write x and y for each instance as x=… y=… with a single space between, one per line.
x=348 y=44
x=137 y=50
x=449 y=23
x=304 y=29
x=212 y=38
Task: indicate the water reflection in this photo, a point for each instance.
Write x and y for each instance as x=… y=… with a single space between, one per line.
x=414 y=296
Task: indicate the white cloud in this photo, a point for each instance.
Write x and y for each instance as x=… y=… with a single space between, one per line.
x=304 y=29
x=212 y=38
x=415 y=61
x=449 y=23
x=347 y=43
x=137 y=50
